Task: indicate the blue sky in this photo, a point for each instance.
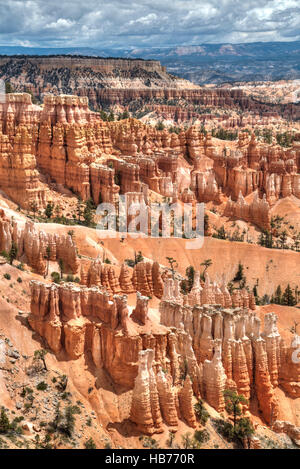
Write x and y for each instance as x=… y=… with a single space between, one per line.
x=115 y=23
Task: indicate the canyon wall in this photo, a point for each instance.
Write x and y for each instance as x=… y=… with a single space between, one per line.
x=196 y=351
x=67 y=143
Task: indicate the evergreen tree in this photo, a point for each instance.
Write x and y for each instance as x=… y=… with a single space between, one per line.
x=233 y=403
x=221 y=233
x=240 y=273
x=12 y=255
x=79 y=209
x=160 y=126
x=173 y=265
x=4 y=422
x=8 y=88
x=278 y=296
x=48 y=255
x=111 y=117
x=283 y=239
x=88 y=212
x=61 y=267
x=206 y=224
x=288 y=298
x=49 y=209
x=34 y=208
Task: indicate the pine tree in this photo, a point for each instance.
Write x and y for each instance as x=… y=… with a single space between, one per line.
x=4 y=422
x=12 y=255
x=221 y=233
x=288 y=298
x=8 y=88
x=278 y=296
x=233 y=403
x=206 y=224
x=239 y=276
x=88 y=212
x=49 y=209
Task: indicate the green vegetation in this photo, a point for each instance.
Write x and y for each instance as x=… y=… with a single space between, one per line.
x=221 y=233
x=242 y=427
x=49 y=209
x=42 y=386
x=207 y=263
x=201 y=413
x=55 y=277
x=9 y=88
x=186 y=284
x=7 y=427
x=90 y=444
x=287 y=298
x=160 y=126
x=138 y=257
x=149 y=442
x=173 y=265
x=224 y=134
x=40 y=355
x=12 y=255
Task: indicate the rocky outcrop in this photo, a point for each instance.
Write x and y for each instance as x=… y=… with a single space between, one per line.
x=214 y=380
x=256 y=212
x=145 y=410
x=147 y=279
x=289 y=373
x=37 y=247
x=19 y=176
x=70 y=144
x=289 y=429
x=232 y=353
x=186 y=403
x=154 y=399
x=140 y=312
x=125 y=279
x=202 y=351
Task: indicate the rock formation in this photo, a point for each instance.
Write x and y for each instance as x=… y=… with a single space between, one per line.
x=36 y=247
x=74 y=147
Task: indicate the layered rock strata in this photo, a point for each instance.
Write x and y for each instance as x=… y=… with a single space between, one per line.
x=37 y=247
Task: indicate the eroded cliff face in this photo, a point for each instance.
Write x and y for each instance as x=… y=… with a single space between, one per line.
x=196 y=351
x=36 y=247
x=121 y=82
x=67 y=143
x=72 y=146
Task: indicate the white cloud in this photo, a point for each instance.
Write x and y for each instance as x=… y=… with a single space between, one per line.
x=60 y=24
x=151 y=22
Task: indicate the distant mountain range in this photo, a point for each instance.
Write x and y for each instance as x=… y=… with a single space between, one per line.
x=202 y=64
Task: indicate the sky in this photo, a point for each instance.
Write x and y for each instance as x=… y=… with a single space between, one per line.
x=146 y=23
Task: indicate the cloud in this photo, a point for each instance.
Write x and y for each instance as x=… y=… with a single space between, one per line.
x=123 y=23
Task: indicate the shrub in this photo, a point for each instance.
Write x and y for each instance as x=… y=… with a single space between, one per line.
x=201 y=413
x=130 y=262
x=42 y=386
x=19 y=280
x=90 y=444
x=4 y=254
x=201 y=436
x=4 y=421
x=7 y=276
x=70 y=278
x=55 y=277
